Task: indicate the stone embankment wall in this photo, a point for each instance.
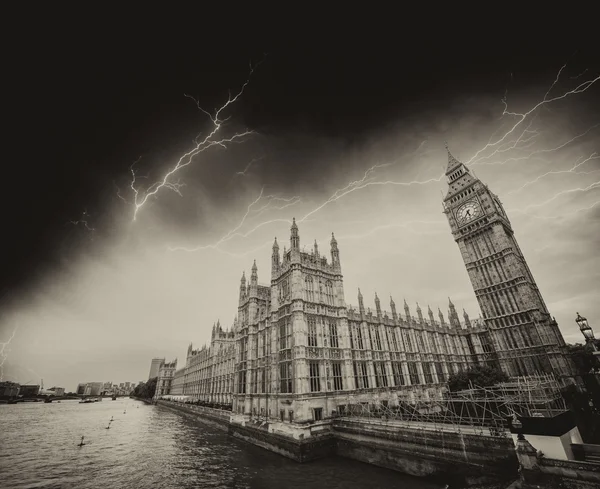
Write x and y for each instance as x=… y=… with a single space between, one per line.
x=550 y=473
x=216 y=417
x=448 y=457
x=459 y=459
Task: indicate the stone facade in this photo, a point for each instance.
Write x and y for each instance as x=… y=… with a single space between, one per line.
x=164 y=380
x=297 y=353
x=524 y=336
x=209 y=370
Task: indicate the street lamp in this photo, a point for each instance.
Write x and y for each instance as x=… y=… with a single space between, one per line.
x=585 y=329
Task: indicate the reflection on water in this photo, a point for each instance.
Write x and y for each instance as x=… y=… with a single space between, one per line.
x=153 y=447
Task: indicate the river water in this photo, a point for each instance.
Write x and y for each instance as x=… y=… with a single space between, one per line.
x=154 y=447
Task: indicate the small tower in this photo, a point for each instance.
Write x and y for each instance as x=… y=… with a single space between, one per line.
x=335 y=252
x=275 y=256
x=419 y=314
x=452 y=315
x=294 y=237
x=243 y=287
x=214 y=330
x=467 y=320
x=361 y=305
x=441 y=316
x=393 y=308
x=377 y=306
x=316 y=249
x=254 y=276
x=430 y=313
x=406 y=311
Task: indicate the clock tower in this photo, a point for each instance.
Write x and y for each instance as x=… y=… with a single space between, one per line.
x=526 y=338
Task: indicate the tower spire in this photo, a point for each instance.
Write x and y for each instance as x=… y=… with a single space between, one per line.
x=453 y=163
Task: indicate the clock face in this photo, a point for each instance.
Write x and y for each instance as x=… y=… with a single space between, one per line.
x=468 y=211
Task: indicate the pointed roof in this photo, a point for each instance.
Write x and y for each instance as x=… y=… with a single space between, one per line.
x=392 y=303
x=453 y=163
x=254 y=267
x=294 y=225
x=275 y=244
x=333 y=240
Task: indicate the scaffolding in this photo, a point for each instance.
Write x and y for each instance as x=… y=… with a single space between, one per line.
x=478 y=410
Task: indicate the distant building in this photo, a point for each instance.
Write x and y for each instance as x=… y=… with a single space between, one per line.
x=29 y=390
x=58 y=391
x=80 y=389
x=93 y=389
x=166 y=372
x=9 y=389
x=154 y=366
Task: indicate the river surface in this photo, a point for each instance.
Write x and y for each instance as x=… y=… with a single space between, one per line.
x=154 y=447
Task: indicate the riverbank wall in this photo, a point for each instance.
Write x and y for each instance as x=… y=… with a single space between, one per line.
x=448 y=457
x=215 y=417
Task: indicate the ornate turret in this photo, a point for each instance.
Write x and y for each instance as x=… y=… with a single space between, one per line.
x=361 y=305
x=419 y=314
x=214 y=330
x=294 y=236
x=377 y=305
x=243 y=287
x=430 y=313
x=442 y=320
x=254 y=276
x=467 y=320
x=316 y=249
x=452 y=315
x=335 y=252
x=275 y=255
x=393 y=308
x=406 y=311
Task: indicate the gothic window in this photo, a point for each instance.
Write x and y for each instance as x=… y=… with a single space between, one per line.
x=361 y=376
x=285 y=377
x=318 y=414
x=407 y=341
x=377 y=339
x=285 y=334
x=333 y=335
x=315 y=380
x=433 y=343
x=394 y=343
x=359 y=337
x=427 y=373
x=470 y=344
x=263 y=343
x=398 y=375
x=309 y=286
x=263 y=380
x=413 y=373
x=420 y=342
x=370 y=347
x=312 y=331
x=329 y=293
x=352 y=333
x=336 y=368
x=380 y=374
x=440 y=372
x=242 y=382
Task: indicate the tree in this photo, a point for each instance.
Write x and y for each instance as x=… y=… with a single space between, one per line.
x=478 y=375
x=145 y=390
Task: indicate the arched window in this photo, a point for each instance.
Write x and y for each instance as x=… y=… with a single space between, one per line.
x=309 y=288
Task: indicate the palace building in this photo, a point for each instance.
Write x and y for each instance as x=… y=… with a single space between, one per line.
x=297 y=352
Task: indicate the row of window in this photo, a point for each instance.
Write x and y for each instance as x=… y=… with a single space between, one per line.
x=361 y=376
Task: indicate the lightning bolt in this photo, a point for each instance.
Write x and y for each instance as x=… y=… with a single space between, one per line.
x=593 y=156
x=83 y=220
x=533 y=153
x=201 y=145
x=521 y=117
x=254 y=160
x=4 y=351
